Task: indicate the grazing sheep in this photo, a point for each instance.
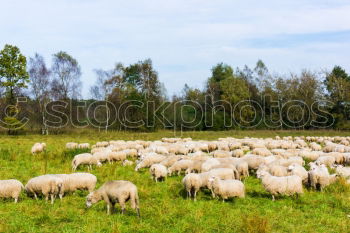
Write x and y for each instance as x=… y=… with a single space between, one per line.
x=158 y=171
x=226 y=188
x=296 y=169
x=195 y=167
x=242 y=168
x=46 y=185
x=254 y=161
x=38 y=148
x=221 y=154
x=342 y=171
x=77 y=181
x=229 y=166
x=275 y=170
x=117 y=156
x=103 y=155
x=315 y=147
x=149 y=160
x=209 y=163
x=85 y=159
x=127 y=163
x=71 y=145
x=192 y=183
x=238 y=153
x=261 y=151
x=84 y=146
x=170 y=160
x=326 y=160
x=287 y=185
x=115 y=191
x=319 y=177
x=181 y=165
x=10 y=189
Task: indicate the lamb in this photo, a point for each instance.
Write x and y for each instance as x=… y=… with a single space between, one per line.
x=192 y=183
x=38 y=148
x=77 y=181
x=10 y=189
x=226 y=188
x=287 y=185
x=71 y=145
x=158 y=171
x=115 y=191
x=85 y=159
x=47 y=185
x=179 y=166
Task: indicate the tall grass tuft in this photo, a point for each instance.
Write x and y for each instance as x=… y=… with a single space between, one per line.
x=254 y=224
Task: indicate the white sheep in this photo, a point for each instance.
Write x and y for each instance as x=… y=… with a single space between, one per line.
x=115 y=191
x=181 y=165
x=46 y=185
x=342 y=171
x=296 y=169
x=286 y=185
x=84 y=145
x=238 y=153
x=226 y=188
x=71 y=145
x=38 y=148
x=326 y=160
x=85 y=159
x=221 y=154
x=319 y=178
x=158 y=171
x=192 y=183
x=149 y=160
x=77 y=181
x=10 y=189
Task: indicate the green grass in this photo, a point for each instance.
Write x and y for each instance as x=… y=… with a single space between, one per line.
x=164 y=207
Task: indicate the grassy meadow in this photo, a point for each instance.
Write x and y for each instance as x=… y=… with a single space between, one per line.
x=164 y=207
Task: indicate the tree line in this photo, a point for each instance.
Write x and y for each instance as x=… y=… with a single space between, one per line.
x=42 y=98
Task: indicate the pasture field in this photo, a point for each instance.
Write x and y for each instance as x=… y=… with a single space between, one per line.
x=164 y=207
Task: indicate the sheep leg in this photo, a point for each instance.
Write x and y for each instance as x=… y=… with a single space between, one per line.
x=138 y=212
x=35 y=196
x=16 y=199
x=52 y=198
x=108 y=209
x=195 y=195
x=273 y=198
x=122 y=204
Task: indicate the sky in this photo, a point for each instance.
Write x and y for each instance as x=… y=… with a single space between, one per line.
x=184 y=38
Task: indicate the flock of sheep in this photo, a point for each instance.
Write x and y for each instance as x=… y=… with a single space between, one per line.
x=218 y=166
